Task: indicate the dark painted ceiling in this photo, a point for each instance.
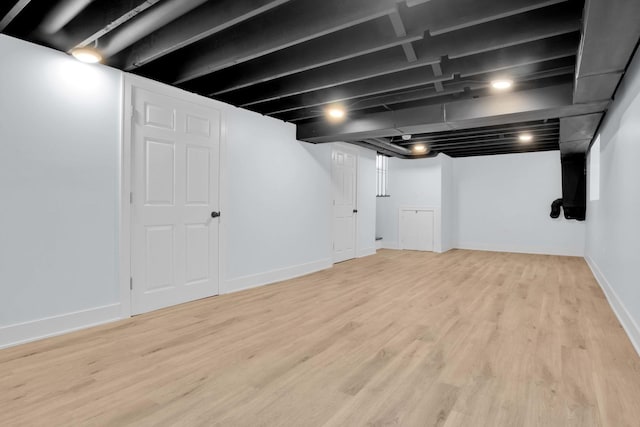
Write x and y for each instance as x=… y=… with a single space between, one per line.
x=398 y=67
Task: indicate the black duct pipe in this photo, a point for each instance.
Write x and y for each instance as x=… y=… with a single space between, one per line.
x=574 y=186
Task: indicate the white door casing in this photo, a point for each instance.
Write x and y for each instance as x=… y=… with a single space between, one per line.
x=417 y=229
x=343 y=179
x=175 y=188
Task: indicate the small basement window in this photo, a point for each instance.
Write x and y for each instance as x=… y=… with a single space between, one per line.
x=382 y=169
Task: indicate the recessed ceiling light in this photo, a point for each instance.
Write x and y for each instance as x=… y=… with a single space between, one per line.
x=420 y=148
x=336 y=113
x=406 y=137
x=525 y=137
x=87 y=54
x=502 y=84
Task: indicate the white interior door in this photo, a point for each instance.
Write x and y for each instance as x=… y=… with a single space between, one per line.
x=343 y=173
x=416 y=229
x=175 y=186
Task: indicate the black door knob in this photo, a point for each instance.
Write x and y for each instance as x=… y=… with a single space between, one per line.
x=355 y=211
x=215 y=214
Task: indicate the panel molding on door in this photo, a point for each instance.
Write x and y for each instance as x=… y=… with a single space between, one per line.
x=416 y=228
x=175 y=161
x=344 y=172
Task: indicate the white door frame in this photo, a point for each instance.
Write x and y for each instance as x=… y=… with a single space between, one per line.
x=352 y=150
x=436 y=224
x=126 y=207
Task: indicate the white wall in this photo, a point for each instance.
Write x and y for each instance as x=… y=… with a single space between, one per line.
x=613 y=222
x=502 y=203
x=277 y=212
x=60 y=141
x=448 y=215
x=59 y=158
x=412 y=183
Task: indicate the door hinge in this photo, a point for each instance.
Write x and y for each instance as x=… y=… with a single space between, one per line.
x=131 y=283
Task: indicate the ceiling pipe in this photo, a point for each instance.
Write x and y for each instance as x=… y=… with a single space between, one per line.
x=62 y=14
x=146 y=23
x=117 y=22
x=13 y=12
x=381 y=143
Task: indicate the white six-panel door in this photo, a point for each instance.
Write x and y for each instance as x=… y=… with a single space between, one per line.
x=343 y=173
x=175 y=189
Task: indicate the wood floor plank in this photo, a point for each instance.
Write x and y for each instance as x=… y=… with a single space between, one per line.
x=399 y=338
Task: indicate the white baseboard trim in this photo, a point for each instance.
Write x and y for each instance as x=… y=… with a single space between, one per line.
x=366 y=252
x=625 y=319
x=518 y=250
x=378 y=244
x=390 y=245
x=273 y=276
x=21 y=333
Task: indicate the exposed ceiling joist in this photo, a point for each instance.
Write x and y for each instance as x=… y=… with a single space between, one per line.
x=62 y=14
x=265 y=34
x=363 y=39
x=611 y=27
x=537 y=104
x=443 y=17
x=476 y=64
x=146 y=23
x=203 y=22
x=510 y=31
x=477 y=86
x=12 y=13
x=98 y=20
x=111 y=26
x=355 y=69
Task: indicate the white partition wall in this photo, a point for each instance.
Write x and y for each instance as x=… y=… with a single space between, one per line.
x=613 y=225
x=502 y=203
x=60 y=128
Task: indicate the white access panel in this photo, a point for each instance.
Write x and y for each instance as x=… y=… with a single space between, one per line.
x=175 y=190
x=417 y=229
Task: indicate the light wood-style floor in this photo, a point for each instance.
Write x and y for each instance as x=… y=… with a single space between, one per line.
x=400 y=338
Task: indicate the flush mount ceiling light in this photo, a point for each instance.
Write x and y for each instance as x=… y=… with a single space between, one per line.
x=336 y=113
x=87 y=54
x=406 y=137
x=502 y=84
x=420 y=148
x=525 y=137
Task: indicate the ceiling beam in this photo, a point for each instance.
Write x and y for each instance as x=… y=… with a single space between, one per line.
x=536 y=104
x=265 y=33
x=366 y=38
x=113 y=25
x=348 y=71
x=376 y=35
x=401 y=31
x=142 y=25
x=205 y=21
x=483 y=63
x=610 y=36
x=61 y=14
x=511 y=150
x=383 y=62
x=96 y=21
x=12 y=13
x=445 y=16
x=510 y=31
x=457 y=88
